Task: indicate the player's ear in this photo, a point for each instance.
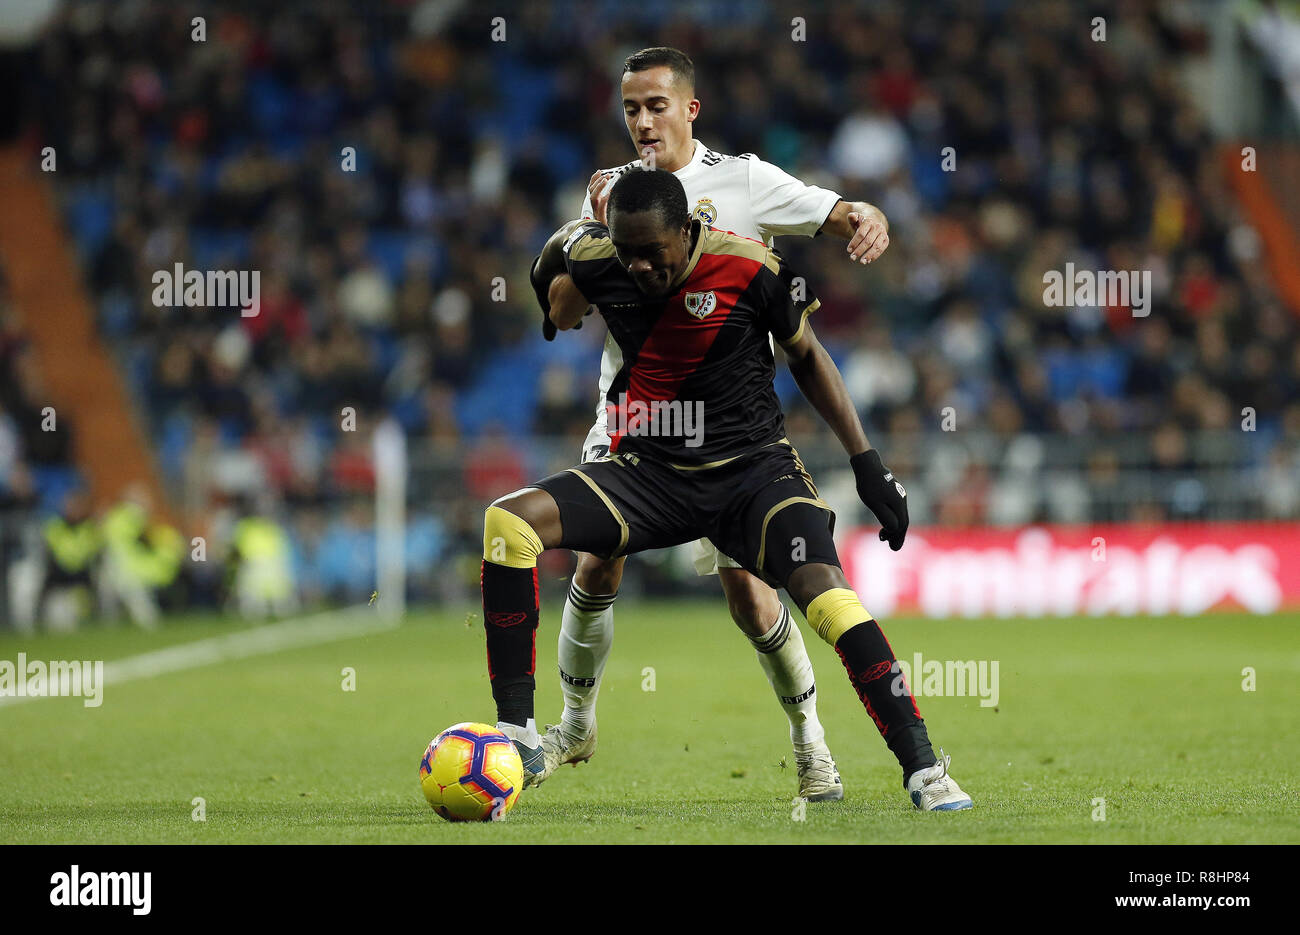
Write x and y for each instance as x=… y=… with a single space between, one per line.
x=692 y=110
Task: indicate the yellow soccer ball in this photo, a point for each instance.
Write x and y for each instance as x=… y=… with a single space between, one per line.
x=471 y=772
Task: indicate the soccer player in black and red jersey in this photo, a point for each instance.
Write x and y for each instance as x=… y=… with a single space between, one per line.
x=754 y=198
x=691 y=308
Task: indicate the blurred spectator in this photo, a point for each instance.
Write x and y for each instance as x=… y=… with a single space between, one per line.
x=262 y=569
x=142 y=557
x=72 y=548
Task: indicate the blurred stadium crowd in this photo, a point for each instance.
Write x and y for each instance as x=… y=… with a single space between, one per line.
x=382 y=287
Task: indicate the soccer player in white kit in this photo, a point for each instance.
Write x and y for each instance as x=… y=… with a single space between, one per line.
x=747 y=196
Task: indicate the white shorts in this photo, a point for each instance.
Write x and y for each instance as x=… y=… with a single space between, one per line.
x=704 y=554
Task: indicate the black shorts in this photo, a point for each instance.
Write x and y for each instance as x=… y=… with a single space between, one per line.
x=625 y=503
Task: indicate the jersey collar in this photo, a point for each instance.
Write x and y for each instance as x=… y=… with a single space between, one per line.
x=700 y=232
x=697 y=157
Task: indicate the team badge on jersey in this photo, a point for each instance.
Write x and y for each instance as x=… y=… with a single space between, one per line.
x=705 y=211
x=700 y=304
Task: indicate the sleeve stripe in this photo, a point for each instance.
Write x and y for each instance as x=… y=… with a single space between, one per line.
x=803 y=320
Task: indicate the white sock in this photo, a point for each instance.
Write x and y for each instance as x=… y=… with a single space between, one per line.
x=783 y=657
x=586 y=635
x=527 y=734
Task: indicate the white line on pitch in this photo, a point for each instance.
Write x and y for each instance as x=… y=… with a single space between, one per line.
x=324 y=627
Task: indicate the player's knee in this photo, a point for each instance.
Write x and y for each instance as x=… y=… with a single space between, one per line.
x=509 y=539
x=830 y=605
x=753 y=605
x=834 y=612
x=808 y=581
x=597 y=575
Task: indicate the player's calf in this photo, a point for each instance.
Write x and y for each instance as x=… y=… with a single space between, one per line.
x=835 y=613
x=513 y=537
x=586 y=636
x=779 y=645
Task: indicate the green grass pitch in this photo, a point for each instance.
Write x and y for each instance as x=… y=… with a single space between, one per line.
x=1147 y=713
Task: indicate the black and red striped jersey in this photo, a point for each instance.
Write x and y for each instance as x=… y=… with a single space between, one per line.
x=695 y=387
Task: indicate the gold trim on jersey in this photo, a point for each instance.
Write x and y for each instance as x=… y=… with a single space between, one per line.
x=803 y=320
x=726 y=243
x=704 y=467
x=695 y=255
x=609 y=504
x=714 y=464
x=807 y=478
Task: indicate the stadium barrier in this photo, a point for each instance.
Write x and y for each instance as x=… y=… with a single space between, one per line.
x=1043 y=571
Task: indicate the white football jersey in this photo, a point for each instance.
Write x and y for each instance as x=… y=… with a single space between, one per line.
x=741 y=194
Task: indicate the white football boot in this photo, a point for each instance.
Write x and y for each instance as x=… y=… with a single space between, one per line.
x=560 y=747
x=819 y=780
x=933 y=790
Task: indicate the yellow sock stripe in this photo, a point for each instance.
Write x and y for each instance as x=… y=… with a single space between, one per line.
x=833 y=612
x=508 y=540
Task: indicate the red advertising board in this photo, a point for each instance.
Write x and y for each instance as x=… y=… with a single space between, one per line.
x=1040 y=571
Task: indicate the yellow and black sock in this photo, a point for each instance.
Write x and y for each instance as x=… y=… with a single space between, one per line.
x=511 y=611
x=840 y=619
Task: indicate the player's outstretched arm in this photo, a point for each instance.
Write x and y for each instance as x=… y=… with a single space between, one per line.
x=863 y=225
x=782 y=204
x=821 y=384
x=563 y=304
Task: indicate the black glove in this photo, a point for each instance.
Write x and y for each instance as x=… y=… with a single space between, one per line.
x=542 y=291
x=544 y=300
x=883 y=496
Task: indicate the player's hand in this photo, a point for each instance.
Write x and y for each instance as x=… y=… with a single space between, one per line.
x=598 y=188
x=549 y=331
x=883 y=496
x=870 y=235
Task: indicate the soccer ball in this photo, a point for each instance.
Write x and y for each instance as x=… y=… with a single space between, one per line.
x=471 y=772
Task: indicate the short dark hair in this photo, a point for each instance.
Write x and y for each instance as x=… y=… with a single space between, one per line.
x=651 y=190
x=682 y=67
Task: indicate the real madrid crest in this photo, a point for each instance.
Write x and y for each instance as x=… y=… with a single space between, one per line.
x=700 y=304
x=705 y=212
